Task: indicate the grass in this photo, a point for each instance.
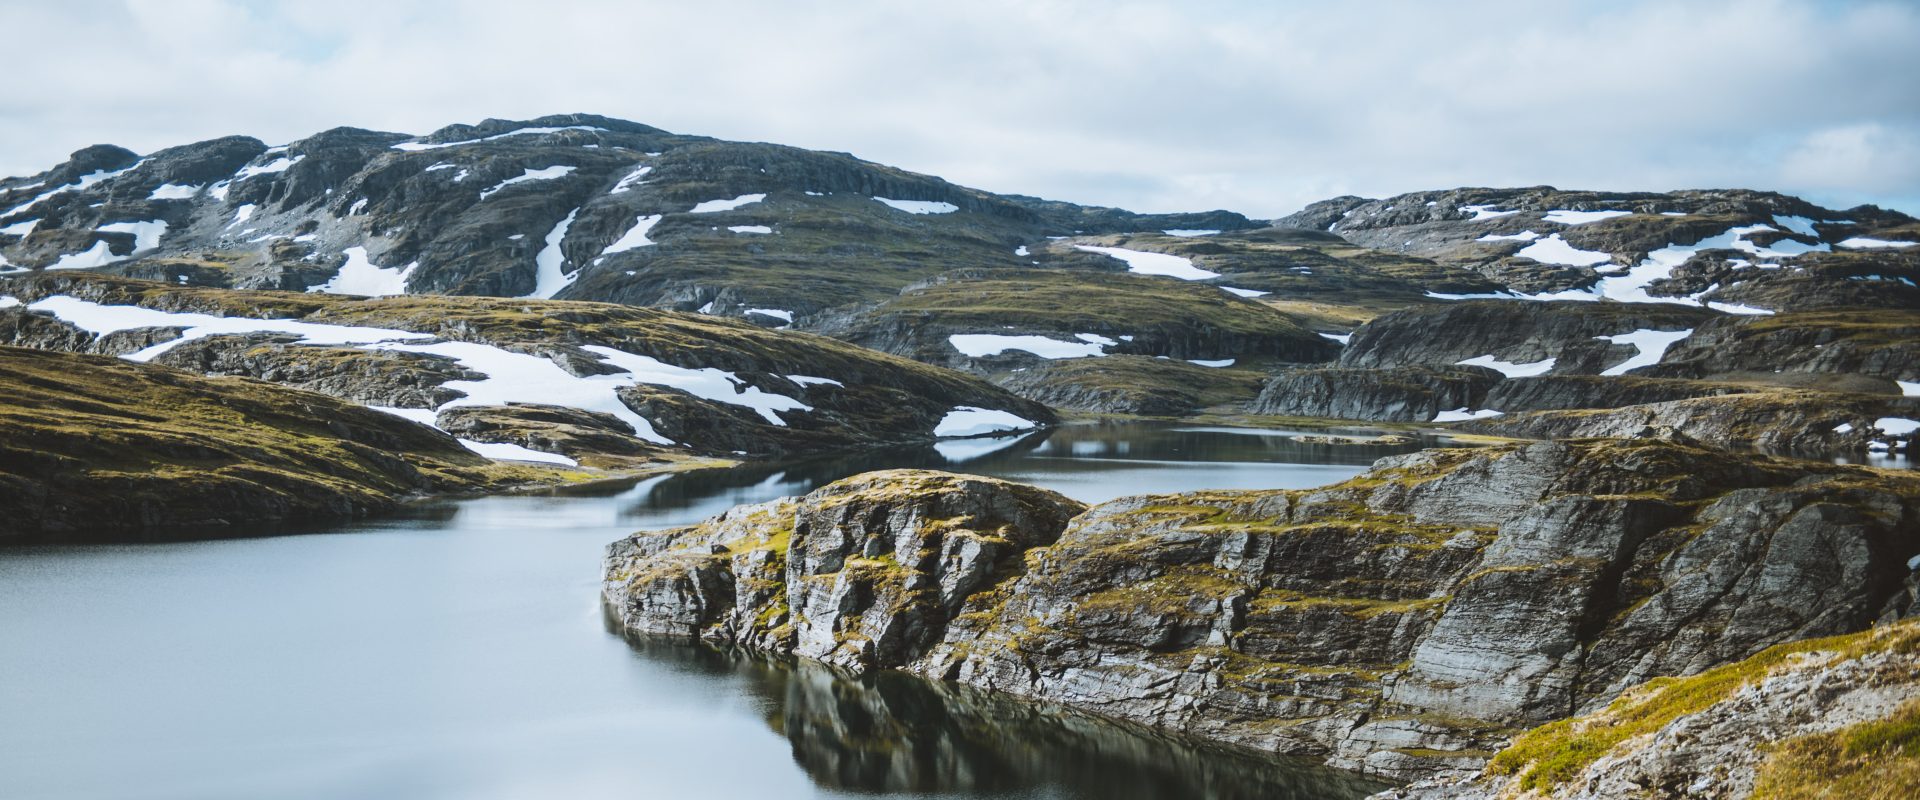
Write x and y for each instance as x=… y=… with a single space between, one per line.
x=1554 y=753
x=1877 y=760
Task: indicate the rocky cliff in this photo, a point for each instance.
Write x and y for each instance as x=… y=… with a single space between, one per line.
x=1402 y=623
x=1832 y=717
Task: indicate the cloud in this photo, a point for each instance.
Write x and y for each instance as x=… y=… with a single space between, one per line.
x=1254 y=106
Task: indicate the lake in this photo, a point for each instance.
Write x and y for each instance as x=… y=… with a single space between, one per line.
x=459 y=650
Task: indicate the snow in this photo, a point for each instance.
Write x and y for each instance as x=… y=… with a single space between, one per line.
x=1461 y=414
x=976 y=345
x=104 y=319
x=146 y=235
x=1021 y=251
x=631 y=180
x=277 y=165
x=1652 y=345
x=174 y=191
x=419 y=146
x=548 y=264
x=809 y=380
x=776 y=313
x=1566 y=217
x=512 y=452
x=749 y=229
x=965 y=421
x=1343 y=338
x=20 y=229
x=82 y=183
x=218 y=191
x=1844 y=427
x=635 y=236
x=1909 y=388
x=1673 y=213
x=1864 y=243
x=1523 y=236
x=362 y=277
x=96 y=256
x=1896 y=426
x=546 y=174
x=441 y=165
x=712 y=206
x=920 y=206
x=708 y=383
x=242 y=214
x=357 y=207
x=1246 y=292
x=1799 y=225
x=1555 y=250
x=1189 y=232
x=1508 y=368
x=1483 y=213
x=1216 y=364
x=1143 y=263
x=9 y=301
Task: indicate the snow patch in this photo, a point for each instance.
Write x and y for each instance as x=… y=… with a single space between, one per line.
x=549 y=264
x=1909 y=388
x=920 y=206
x=713 y=206
x=1523 y=236
x=776 y=313
x=361 y=276
x=1566 y=217
x=1864 y=243
x=20 y=229
x=146 y=235
x=1652 y=345
x=1343 y=338
x=277 y=165
x=99 y=255
x=809 y=380
x=635 y=236
x=631 y=180
x=1245 y=292
x=977 y=345
x=501 y=451
x=964 y=421
x=1190 y=232
x=174 y=191
x=749 y=229
x=419 y=146
x=1555 y=250
x=1461 y=414
x=1214 y=363
x=1508 y=368
x=1144 y=263
x=547 y=174
x=1483 y=213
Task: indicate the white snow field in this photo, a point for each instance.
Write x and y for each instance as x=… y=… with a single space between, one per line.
x=1245 y=292
x=635 y=236
x=1651 y=343
x=1864 y=243
x=277 y=165
x=631 y=180
x=920 y=206
x=362 y=277
x=977 y=345
x=1581 y=217
x=1461 y=414
x=1483 y=213
x=1144 y=263
x=544 y=174
x=1509 y=368
x=1555 y=250
x=965 y=421
x=713 y=206
x=549 y=264
x=174 y=191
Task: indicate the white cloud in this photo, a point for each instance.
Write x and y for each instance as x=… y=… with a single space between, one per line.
x=1254 y=106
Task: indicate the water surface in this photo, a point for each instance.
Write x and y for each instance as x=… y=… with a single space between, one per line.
x=459 y=651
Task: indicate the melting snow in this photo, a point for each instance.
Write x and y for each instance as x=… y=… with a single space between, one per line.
x=1508 y=368
x=1864 y=243
x=635 y=236
x=174 y=191
x=809 y=380
x=418 y=146
x=1483 y=213
x=242 y=214
x=1190 y=232
x=1523 y=236
x=973 y=421
x=1909 y=388
x=631 y=180
x=99 y=255
x=920 y=206
x=9 y=301
x=1224 y=362
x=20 y=229
x=712 y=206
x=277 y=165
x=1555 y=250
x=513 y=452
x=976 y=345
x=776 y=313
x=547 y=174
x=1021 y=251
x=1246 y=292
x=548 y=277
x=1144 y=263
x=1844 y=427
x=708 y=384
x=1461 y=414
x=146 y=235
x=1343 y=338
x=1652 y=345
x=749 y=229
x=357 y=207
x=360 y=276
x=1565 y=217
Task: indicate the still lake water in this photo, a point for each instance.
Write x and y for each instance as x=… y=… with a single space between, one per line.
x=459 y=651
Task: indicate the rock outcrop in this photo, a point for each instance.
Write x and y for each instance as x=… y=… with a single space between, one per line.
x=1796 y=422
x=1833 y=717
x=1406 y=394
x=1569 y=333
x=1403 y=623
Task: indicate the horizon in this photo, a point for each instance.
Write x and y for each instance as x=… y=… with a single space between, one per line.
x=1230 y=105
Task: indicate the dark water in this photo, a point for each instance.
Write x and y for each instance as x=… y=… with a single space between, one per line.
x=459 y=651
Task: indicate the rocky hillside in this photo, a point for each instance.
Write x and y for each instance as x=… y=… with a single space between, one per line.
x=1833 y=717
x=96 y=447
x=549 y=380
x=1404 y=622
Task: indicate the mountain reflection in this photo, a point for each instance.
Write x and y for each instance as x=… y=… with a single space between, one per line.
x=897 y=734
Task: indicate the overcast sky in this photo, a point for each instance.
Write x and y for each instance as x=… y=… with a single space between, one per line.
x=1260 y=107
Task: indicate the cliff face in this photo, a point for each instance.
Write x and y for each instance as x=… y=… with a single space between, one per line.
x=1834 y=717
x=1404 y=622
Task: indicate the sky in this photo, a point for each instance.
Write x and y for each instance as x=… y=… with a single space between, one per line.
x=1257 y=107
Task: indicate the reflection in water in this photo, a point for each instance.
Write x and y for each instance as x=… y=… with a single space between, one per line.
x=895 y=733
